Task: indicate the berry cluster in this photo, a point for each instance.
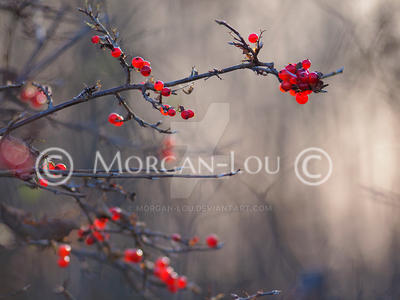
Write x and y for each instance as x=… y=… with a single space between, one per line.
x=297 y=79
x=51 y=166
x=33 y=96
x=94 y=232
x=142 y=66
x=164 y=272
x=64 y=252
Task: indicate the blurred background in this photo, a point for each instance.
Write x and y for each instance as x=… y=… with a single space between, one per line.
x=339 y=240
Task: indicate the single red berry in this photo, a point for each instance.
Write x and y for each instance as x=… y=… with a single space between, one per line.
x=28 y=93
x=146 y=63
x=133 y=255
x=182 y=282
x=313 y=78
x=164 y=109
x=212 y=241
x=171 y=112
x=162 y=262
x=90 y=240
x=286 y=85
x=39 y=99
x=62 y=167
x=176 y=237
x=63 y=261
x=166 y=92
x=306 y=64
x=185 y=114
x=95 y=39
x=64 y=250
x=115 y=213
x=292 y=92
x=301 y=98
x=145 y=71
x=253 y=38
x=115 y=119
x=284 y=75
x=303 y=86
x=43 y=182
x=159 y=85
x=100 y=223
x=116 y=52
x=137 y=62
x=291 y=68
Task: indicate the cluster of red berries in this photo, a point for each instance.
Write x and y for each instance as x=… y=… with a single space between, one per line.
x=94 y=232
x=141 y=65
x=51 y=166
x=167 y=110
x=297 y=79
x=32 y=95
x=64 y=252
x=164 y=272
x=167 y=150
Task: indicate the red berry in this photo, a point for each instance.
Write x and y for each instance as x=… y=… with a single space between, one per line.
x=286 y=85
x=185 y=115
x=166 y=92
x=116 y=52
x=43 y=182
x=115 y=119
x=291 y=68
x=64 y=250
x=302 y=76
x=159 y=85
x=293 y=79
x=62 y=167
x=133 y=255
x=39 y=99
x=182 y=282
x=292 y=92
x=95 y=39
x=171 y=112
x=162 y=262
x=212 y=241
x=145 y=70
x=301 y=98
x=284 y=75
x=306 y=64
x=63 y=261
x=313 y=78
x=137 y=62
x=90 y=240
x=253 y=37
x=176 y=237
x=100 y=223
x=146 y=63
x=164 y=109
x=115 y=213
x=28 y=93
